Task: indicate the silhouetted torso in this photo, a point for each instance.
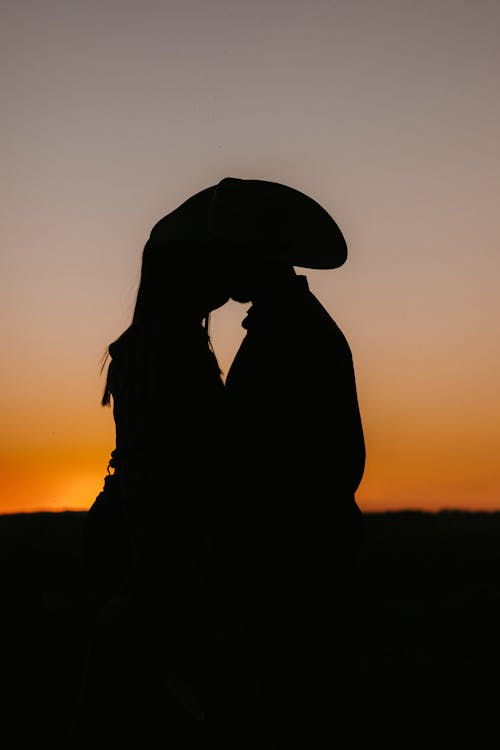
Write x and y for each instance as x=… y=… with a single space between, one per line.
x=163 y=629
x=169 y=414
x=292 y=398
x=299 y=459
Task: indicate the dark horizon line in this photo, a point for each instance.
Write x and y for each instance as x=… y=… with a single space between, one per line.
x=399 y=511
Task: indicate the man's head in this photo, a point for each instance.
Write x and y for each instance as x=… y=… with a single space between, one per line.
x=250 y=279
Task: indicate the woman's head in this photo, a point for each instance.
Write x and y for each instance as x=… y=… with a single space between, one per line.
x=181 y=270
x=178 y=280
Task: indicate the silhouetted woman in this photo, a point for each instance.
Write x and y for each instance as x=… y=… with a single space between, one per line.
x=167 y=394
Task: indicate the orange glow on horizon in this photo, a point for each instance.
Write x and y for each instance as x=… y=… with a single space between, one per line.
x=63 y=486
x=423 y=453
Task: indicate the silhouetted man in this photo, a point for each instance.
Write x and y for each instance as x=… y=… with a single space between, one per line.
x=299 y=454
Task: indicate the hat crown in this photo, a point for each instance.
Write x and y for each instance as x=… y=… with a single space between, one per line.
x=277 y=221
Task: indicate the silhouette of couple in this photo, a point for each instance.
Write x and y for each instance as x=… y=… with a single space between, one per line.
x=231 y=625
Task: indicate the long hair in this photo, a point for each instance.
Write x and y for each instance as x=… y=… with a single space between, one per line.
x=144 y=301
x=158 y=295
x=106 y=396
x=108 y=359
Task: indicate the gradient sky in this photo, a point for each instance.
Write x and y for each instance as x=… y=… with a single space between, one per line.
x=387 y=113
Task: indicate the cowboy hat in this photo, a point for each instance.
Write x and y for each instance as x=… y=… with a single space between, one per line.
x=253 y=218
x=275 y=221
x=186 y=227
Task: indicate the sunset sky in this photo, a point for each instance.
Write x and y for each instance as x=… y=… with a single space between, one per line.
x=387 y=112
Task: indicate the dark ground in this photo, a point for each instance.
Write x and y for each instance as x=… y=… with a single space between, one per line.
x=427 y=629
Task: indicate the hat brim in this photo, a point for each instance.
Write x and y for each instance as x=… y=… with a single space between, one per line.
x=258 y=218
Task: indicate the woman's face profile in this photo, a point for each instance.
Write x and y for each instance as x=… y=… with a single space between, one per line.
x=202 y=281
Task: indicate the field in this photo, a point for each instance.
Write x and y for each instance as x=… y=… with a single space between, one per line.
x=427 y=617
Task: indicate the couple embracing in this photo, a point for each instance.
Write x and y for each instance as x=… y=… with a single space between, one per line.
x=237 y=496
